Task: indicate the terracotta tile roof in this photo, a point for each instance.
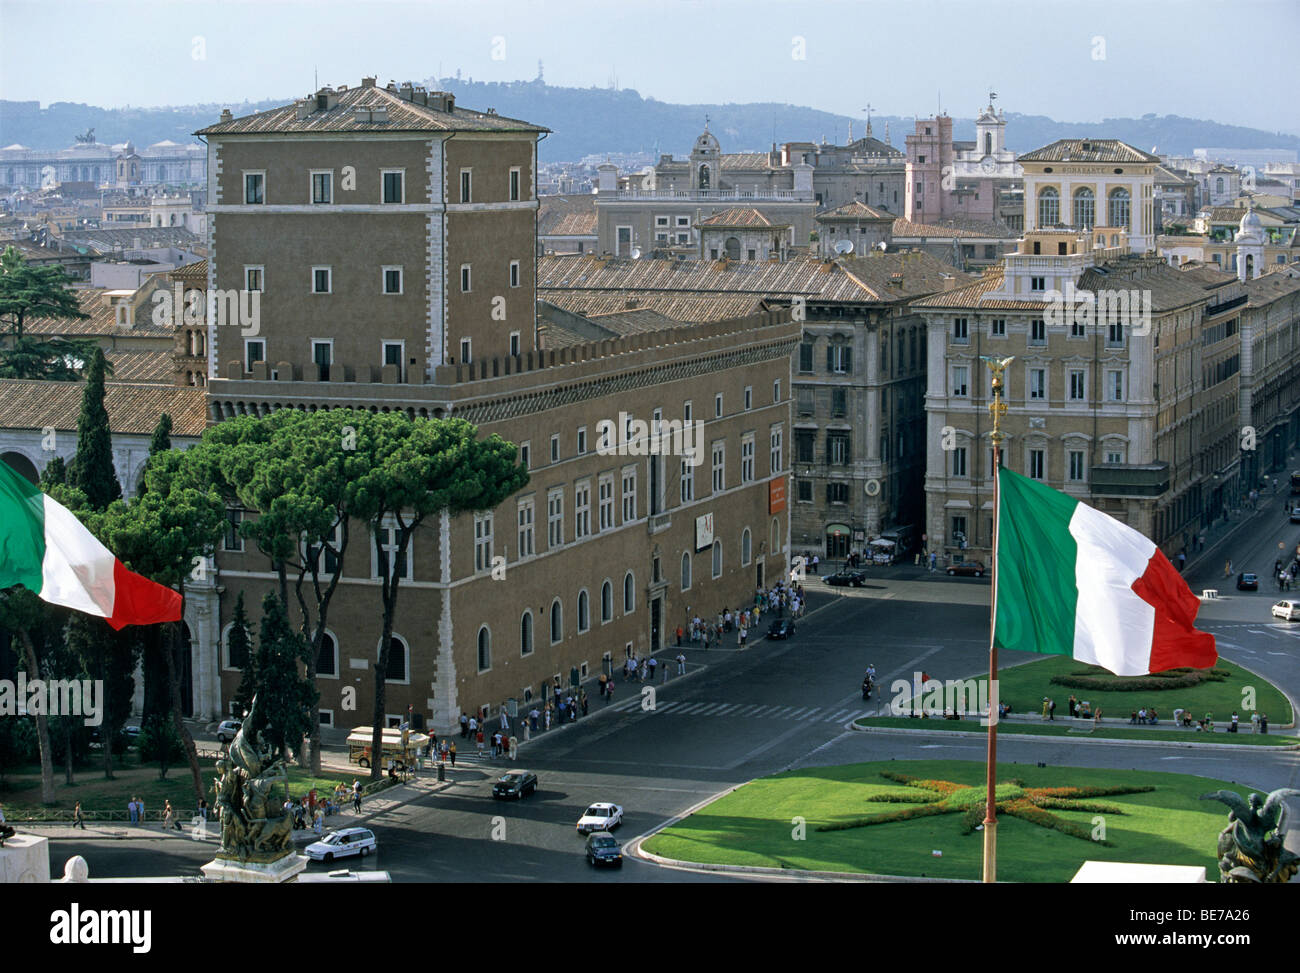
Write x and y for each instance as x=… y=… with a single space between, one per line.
x=108 y=241
x=856 y=210
x=959 y=228
x=196 y=272
x=1269 y=287
x=151 y=367
x=132 y=408
x=680 y=308
x=745 y=160
x=101 y=323
x=1099 y=150
x=567 y=215
x=403 y=116
x=742 y=216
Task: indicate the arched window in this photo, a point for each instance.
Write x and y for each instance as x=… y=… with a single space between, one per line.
x=704 y=177
x=629 y=593
x=526 y=634
x=484 y=649
x=1119 y=208
x=1049 y=207
x=398 y=670
x=606 y=602
x=233 y=660
x=1085 y=208
x=775 y=544
x=732 y=247
x=746 y=546
x=717 y=559
x=988 y=143
x=327 y=660
x=686 y=572
x=557 y=622
x=1218 y=185
x=584 y=612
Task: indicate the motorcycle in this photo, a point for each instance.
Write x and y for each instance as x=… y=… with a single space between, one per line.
x=866 y=688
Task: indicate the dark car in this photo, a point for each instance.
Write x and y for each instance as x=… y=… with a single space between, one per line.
x=603 y=849
x=1247 y=581
x=968 y=569
x=782 y=628
x=516 y=784
x=847 y=577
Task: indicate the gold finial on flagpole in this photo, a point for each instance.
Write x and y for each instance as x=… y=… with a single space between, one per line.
x=997 y=407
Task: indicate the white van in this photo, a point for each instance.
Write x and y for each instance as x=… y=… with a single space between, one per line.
x=1288 y=610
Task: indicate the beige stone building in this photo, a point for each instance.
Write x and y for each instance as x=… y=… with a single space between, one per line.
x=392 y=235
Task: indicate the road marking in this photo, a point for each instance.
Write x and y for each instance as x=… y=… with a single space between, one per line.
x=708 y=709
x=800 y=713
x=812 y=712
x=839 y=714
x=1279 y=653
x=728 y=710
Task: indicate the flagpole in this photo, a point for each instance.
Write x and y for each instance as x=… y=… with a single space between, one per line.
x=997 y=409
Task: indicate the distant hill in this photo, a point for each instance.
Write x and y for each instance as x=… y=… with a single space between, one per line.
x=589 y=121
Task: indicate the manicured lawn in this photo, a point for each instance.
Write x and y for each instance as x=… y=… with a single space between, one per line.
x=1024 y=686
x=1062 y=728
x=754 y=825
x=21 y=791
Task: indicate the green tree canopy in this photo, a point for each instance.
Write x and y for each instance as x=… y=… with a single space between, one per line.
x=286 y=703
x=92 y=468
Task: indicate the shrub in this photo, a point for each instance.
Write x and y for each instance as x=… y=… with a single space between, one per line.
x=1099 y=680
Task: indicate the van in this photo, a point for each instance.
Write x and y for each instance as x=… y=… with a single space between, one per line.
x=1287 y=610
x=391 y=744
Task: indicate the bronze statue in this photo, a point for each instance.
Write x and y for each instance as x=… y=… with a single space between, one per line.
x=6 y=833
x=88 y=138
x=1251 y=846
x=251 y=828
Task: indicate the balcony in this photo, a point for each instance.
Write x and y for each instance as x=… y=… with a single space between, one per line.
x=1124 y=480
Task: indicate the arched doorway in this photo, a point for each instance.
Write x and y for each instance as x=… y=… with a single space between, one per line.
x=837 y=541
x=21 y=465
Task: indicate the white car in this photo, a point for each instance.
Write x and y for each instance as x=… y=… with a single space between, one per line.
x=227 y=730
x=600 y=817
x=341 y=844
x=1286 y=609
x=1295 y=515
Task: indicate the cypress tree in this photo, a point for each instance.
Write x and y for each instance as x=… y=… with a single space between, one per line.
x=56 y=472
x=92 y=469
x=239 y=645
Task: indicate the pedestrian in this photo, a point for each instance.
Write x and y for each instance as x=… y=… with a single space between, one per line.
x=451 y=752
x=472 y=726
x=815 y=562
x=1254 y=722
x=1182 y=561
x=318 y=822
x=609 y=697
x=203 y=809
x=1051 y=710
x=679 y=636
x=131 y=814
x=478 y=739
x=933 y=558
x=533 y=717
x=356 y=798
x=652 y=664
x=1045 y=701
x=1263 y=722
x=743 y=633
x=1227 y=568
x=464 y=726
x=584 y=703
x=514 y=748
x=78 y=819
x=168 y=816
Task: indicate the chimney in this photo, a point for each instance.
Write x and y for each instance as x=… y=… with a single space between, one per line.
x=367 y=82
x=226 y=116
x=407 y=91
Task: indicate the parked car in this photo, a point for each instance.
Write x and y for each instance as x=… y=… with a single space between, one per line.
x=847 y=577
x=1287 y=610
x=516 y=784
x=1247 y=581
x=782 y=628
x=227 y=730
x=341 y=844
x=603 y=849
x=967 y=569
x=600 y=817
x=1295 y=515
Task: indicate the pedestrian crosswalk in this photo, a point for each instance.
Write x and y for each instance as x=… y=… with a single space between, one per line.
x=742 y=711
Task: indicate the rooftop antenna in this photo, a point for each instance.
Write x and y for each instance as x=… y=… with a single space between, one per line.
x=315 y=77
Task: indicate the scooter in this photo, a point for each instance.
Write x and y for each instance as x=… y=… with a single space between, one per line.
x=866 y=688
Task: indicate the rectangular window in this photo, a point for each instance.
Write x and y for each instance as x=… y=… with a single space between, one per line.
x=806 y=356
x=582 y=440
x=1077 y=329
x=1116 y=386
x=554 y=518
x=776 y=391
x=776 y=453
x=719 y=466
x=1115 y=334
x=555 y=448
x=466 y=185
x=605 y=490
x=322 y=188
x=840 y=359
x=803 y=490
x=525 y=548
x=388 y=544
x=466 y=347
x=998 y=328
x=959 y=461
x=1036 y=463
x=254 y=188
x=688 y=481
x=686 y=411
x=514 y=343
x=747 y=459
x=1076 y=465
x=392 y=280
x=514 y=184
x=394 y=353
x=1038 y=332
x=582 y=510
x=629 y=494
x=514 y=273
x=525 y=454
x=838 y=447
x=717 y=406
x=322 y=353
x=1038 y=383
x=805 y=445
x=464 y=278
x=254 y=278
x=1037 y=283
x=805 y=399
x=839 y=403
x=320 y=280
x=837 y=492
x=749 y=397
x=254 y=351
x=482 y=542
x=394 y=185
x=1114 y=458
x=960 y=331
x=960 y=379
x=1077 y=385
x=232 y=541
x=661 y=221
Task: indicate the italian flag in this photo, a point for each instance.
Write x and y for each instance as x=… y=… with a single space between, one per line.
x=1070 y=580
x=46 y=549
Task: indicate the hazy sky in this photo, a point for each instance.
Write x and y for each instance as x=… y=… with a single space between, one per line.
x=1075 y=60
